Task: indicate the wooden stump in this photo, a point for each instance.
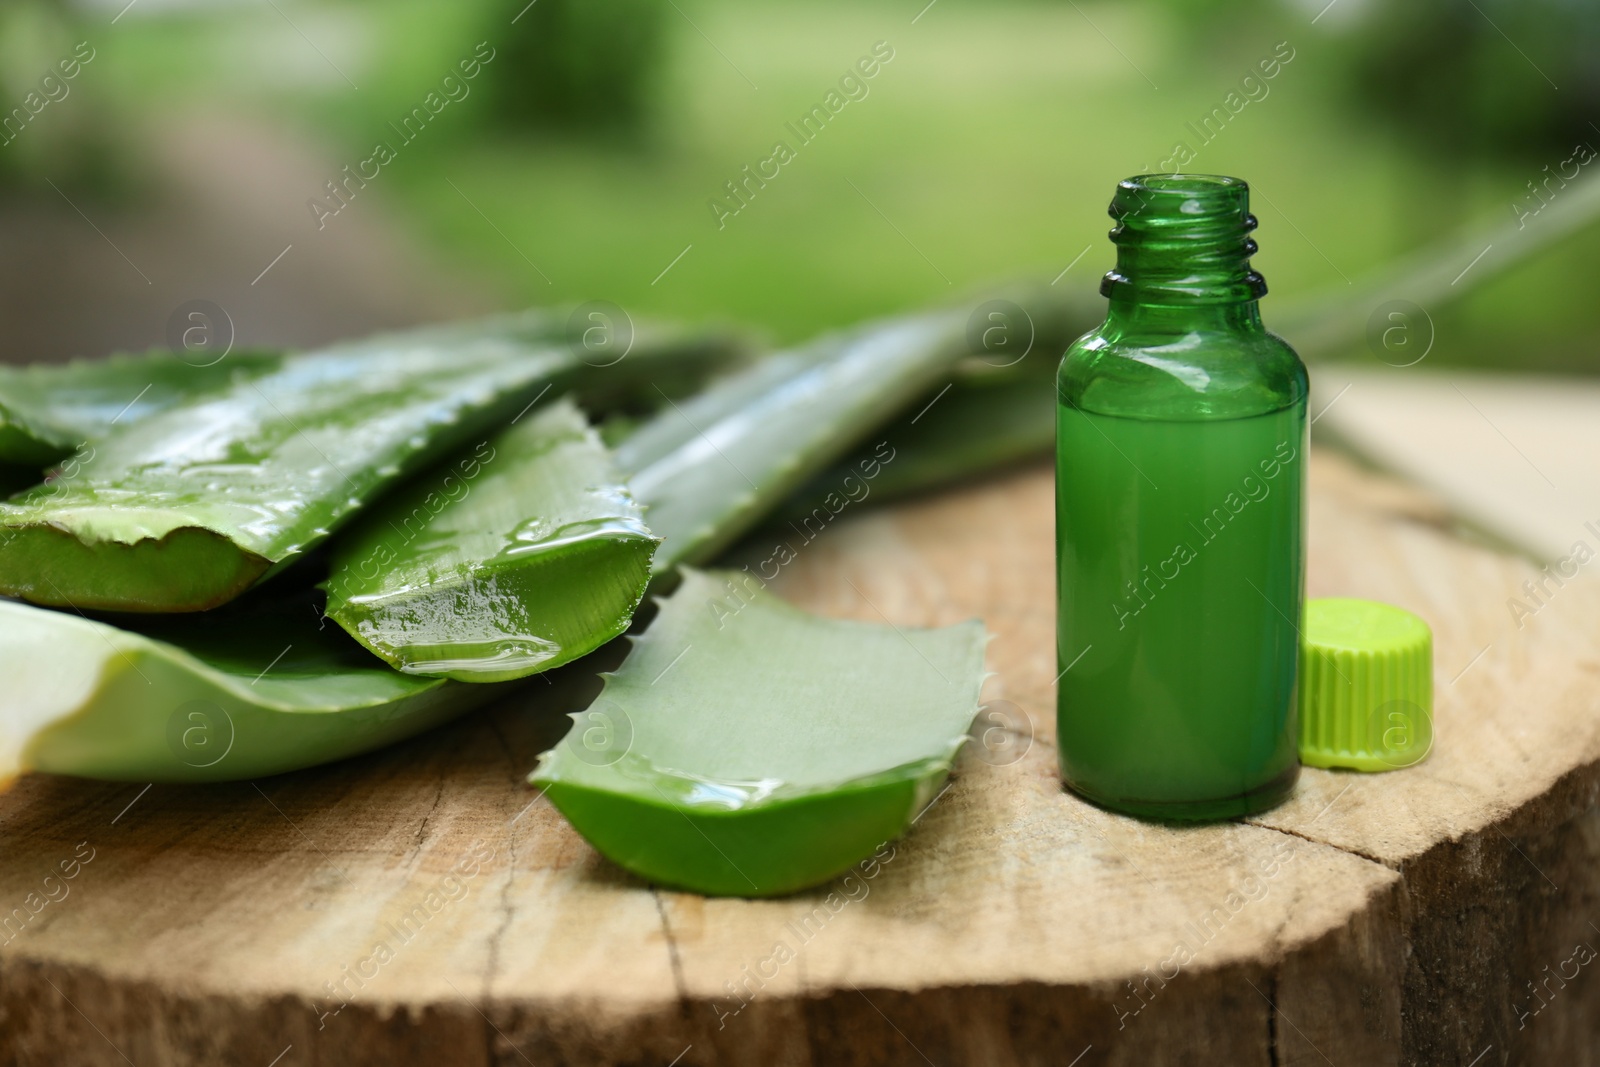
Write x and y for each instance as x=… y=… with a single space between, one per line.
x=1431 y=916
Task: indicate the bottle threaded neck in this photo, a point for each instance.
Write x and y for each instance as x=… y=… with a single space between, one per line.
x=1183 y=239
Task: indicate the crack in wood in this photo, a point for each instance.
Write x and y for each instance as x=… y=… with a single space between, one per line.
x=518 y=777
x=422 y=828
x=507 y=910
x=673 y=960
x=1357 y=853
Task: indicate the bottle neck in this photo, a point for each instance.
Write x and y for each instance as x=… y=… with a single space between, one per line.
x=1127 y=313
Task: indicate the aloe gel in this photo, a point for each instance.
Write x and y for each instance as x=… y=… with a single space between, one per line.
x=520 y=555
x=1180 y=501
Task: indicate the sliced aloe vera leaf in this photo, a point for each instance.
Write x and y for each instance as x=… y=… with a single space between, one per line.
x=710 y=467
x=435 y=589
x=47 y=410
x=746 y=748
x=252 y=693
x=516 y=557
x=187 y=508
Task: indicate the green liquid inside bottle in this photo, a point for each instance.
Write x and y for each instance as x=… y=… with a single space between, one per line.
x=1181 y=430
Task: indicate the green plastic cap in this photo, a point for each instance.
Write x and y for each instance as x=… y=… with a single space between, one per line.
x=1366 y=686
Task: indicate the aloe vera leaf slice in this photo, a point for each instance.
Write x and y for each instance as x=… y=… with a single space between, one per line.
x=746 y=748
x=709 y=468
x=515 y=557
x=202 y=699
x=185 y=509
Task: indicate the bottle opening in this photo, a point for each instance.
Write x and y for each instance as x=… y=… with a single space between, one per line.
x=1183 y=239
x=1182 y=199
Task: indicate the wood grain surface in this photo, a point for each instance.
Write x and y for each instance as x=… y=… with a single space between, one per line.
x=423 y=905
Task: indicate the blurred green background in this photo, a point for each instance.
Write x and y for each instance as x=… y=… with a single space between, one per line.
x=580 y=162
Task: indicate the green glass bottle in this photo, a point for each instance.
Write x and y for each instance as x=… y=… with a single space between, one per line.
x=1180 y=517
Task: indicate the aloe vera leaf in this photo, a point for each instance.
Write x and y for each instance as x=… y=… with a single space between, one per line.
x=989 y=419
x=709 y=468
x=625 y=368
x=978 y=410
x=515 y=557
x=187 y=508
x=202 y=699
x=1327 y=324
x=48 y=410
x=29 y=439
x=746 y=748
